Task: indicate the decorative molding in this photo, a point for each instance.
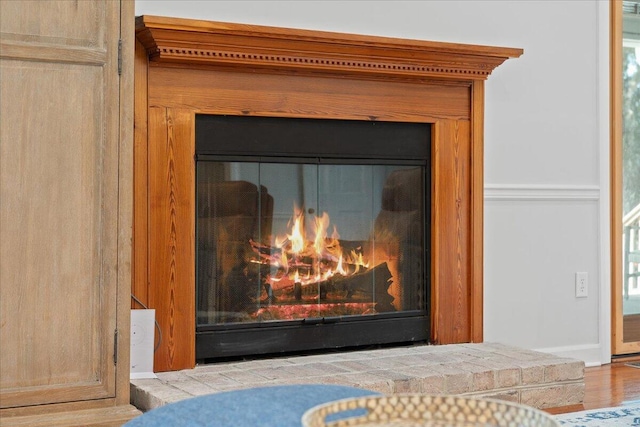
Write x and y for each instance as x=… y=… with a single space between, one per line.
x=174 y=40
x=524 y=192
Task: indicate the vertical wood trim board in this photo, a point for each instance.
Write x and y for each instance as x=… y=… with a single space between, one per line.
x=451 y=222
x=125 y=201
x=171 y=234
x=477 y=208
x=617 y=321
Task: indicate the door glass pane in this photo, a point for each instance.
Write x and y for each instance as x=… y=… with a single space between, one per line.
x=631 y=172
x=285 y=241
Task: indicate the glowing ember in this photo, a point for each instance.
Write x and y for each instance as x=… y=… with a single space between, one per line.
x=279 y=312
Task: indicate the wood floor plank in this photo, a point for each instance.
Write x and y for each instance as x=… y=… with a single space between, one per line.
x=606 y=386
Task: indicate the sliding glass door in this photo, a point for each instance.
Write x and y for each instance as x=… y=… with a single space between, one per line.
x=626 y=175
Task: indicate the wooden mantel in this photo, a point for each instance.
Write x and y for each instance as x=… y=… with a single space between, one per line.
x=184 y=67
x=168 y=40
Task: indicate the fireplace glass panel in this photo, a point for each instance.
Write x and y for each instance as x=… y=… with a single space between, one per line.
x=298 y=240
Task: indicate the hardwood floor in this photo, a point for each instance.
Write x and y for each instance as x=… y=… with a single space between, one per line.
x=606 y=386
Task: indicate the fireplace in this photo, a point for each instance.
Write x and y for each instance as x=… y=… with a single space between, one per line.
x=298 y=190
x=310 y=234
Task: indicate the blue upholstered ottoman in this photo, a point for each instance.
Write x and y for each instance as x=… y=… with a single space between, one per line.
x=275 y=406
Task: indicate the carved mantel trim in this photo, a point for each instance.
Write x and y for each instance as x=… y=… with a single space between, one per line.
x=185 y=41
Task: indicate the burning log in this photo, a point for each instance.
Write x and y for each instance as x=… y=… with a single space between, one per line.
x=266 y=252
x=273 y=254
x=308 y=263
x=301 y=270
x=371 y=285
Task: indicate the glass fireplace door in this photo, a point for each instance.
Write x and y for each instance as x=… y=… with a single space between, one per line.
x=289 y=241
x=310 y=234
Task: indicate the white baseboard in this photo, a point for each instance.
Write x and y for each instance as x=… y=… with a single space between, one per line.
x=590 y=354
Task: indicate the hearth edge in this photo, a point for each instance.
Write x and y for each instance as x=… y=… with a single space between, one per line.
x=490 y=370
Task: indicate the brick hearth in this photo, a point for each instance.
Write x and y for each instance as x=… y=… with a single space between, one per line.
x=491 y=370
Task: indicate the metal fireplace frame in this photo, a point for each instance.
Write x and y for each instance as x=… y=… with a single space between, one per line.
x=316 y=141
x=187 y=67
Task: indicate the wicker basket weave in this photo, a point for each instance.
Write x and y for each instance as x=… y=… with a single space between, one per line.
x=413 y=410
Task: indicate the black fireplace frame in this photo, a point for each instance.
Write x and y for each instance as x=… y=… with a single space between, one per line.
x=250 y=138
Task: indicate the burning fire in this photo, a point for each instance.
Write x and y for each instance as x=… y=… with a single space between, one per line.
x=305 y=258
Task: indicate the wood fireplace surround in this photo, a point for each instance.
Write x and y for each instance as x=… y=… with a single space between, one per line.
x=188 y=67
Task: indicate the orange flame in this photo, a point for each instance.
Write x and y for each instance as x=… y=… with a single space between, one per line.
x=297 y=236
x=322 y=223
x=313 y=259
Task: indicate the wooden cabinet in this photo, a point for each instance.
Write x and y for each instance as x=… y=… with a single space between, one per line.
x=65 y=211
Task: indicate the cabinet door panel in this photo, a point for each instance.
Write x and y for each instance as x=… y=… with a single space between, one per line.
x=59 y=201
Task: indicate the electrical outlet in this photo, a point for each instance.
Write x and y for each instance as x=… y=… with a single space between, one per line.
x=582 y=285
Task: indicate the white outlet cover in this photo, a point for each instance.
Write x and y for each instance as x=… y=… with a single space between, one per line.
x=582 y=285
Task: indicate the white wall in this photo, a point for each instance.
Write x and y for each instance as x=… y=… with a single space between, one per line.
x=546 y=147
